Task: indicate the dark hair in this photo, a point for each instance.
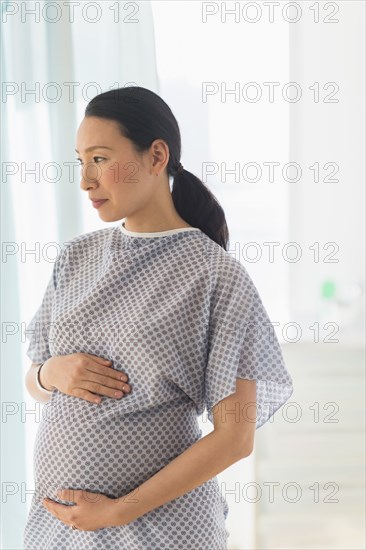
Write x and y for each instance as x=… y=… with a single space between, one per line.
x=142 y=117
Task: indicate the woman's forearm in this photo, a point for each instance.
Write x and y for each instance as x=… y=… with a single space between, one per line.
x=202 y=461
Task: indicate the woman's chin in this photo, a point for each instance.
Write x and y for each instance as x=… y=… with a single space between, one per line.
x=108 y=217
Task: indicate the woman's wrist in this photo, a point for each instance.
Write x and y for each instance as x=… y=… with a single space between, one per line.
x=41 y=383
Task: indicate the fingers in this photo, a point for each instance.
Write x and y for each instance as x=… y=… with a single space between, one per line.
x=109 y=382
x=107 y=372
x=101 y=379
x=99 y=360
x=102 y=366
x=86 y=395
x=102 y=389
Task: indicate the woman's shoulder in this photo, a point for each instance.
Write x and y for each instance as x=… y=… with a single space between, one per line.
x=228 y=276
x=223 y=263
x=97 y=239
x=98 y=235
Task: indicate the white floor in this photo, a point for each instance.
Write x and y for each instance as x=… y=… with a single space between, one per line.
x=317 y=461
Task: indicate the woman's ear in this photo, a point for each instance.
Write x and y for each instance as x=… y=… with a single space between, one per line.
x=160 y=155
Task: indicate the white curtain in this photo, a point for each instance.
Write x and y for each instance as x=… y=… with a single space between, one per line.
x=54 y=61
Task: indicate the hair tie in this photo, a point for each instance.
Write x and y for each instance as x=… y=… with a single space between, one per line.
x=179 y=169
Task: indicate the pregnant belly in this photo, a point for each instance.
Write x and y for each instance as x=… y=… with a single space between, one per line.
x=108 y=448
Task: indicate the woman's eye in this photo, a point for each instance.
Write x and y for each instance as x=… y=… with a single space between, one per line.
x=81 y=162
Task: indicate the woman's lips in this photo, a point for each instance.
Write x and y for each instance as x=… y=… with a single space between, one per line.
x=97 y=204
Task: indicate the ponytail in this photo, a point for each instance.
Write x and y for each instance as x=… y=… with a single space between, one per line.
x=196 y=204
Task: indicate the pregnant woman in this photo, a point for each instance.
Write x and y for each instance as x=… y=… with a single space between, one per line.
x=143 y=326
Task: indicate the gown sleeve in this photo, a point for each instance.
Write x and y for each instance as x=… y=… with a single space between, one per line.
x=39 y=329
x=243 y=344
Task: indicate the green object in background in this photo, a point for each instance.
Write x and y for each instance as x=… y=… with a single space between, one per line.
x=328 y=289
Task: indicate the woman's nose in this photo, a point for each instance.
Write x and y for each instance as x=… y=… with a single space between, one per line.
x=89 y=176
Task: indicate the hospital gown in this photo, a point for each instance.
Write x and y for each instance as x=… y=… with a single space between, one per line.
x=183 y=319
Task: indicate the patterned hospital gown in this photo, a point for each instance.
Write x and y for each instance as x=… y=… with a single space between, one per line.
x=182 y=317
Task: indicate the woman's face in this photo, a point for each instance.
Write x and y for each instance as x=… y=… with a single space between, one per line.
x=112 y=170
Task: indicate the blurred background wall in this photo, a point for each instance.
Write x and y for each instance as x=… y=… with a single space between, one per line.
x=270 y=101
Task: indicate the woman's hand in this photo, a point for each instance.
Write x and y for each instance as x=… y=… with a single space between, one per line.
x=91 y=510
x=84 y=375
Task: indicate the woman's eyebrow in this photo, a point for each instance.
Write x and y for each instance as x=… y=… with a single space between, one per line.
x=95 y=147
